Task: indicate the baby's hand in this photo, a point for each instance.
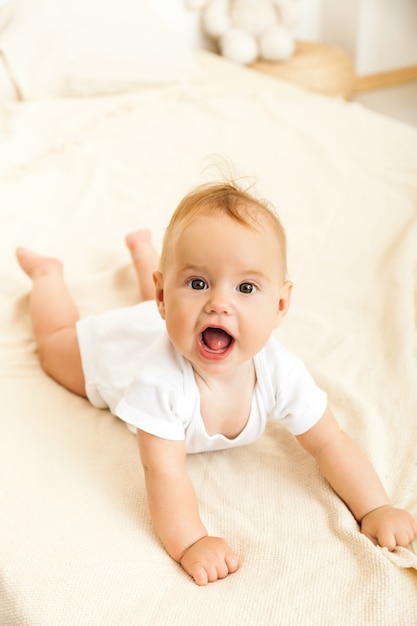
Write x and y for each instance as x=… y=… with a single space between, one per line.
x=209 y=559
x=389 y=527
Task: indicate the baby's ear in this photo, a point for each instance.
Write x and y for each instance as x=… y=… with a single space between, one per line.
x=284 y=300
x=159 y=293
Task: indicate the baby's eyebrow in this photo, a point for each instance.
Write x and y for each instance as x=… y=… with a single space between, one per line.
x=250 y=272
x=244 y=274
x=192 y=268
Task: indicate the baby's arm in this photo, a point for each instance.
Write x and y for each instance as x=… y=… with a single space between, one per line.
x=174 y=511
x=354 y=479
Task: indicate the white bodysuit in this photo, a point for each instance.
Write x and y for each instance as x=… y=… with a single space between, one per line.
x=131 y=367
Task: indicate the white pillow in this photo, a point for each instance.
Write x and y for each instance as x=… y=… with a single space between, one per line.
x=91 y=47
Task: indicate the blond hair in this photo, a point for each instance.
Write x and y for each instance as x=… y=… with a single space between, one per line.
x=228 y=199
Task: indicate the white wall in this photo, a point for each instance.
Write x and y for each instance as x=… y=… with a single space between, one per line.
x=379 y=35
x=387 y=35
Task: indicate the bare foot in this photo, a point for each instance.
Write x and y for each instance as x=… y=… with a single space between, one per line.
x=33 y=264
x=145 y=260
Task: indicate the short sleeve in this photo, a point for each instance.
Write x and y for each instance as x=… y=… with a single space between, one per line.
x=299 y=402
x=152 y=407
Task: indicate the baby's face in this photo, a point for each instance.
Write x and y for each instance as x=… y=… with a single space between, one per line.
x=222 y=292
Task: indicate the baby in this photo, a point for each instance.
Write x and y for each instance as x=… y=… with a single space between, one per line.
x=195 y=366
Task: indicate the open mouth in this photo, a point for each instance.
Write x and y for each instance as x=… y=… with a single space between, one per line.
x=216 y=341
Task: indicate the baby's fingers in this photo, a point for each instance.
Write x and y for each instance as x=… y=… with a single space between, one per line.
x=398 y=528
x=199 y=574
x=391 y=541
x=209 y=559
x=386 y=539
x=232 y=563
x=406 y=535
x=203 y=574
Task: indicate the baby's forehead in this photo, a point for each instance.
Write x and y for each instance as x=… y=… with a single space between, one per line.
x=248 y=215
x=257 y=225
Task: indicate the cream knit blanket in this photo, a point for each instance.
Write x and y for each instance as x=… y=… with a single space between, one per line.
x=76 y=541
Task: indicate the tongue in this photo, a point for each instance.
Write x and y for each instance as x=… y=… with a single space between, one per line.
x=216 y=339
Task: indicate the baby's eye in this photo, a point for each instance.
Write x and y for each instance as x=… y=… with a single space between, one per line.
x=197 y=283
x=247 y=288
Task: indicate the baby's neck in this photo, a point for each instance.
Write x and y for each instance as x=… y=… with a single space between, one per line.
x=225 y=401
x=236 y=377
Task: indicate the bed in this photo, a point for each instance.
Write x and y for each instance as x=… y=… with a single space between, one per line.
x=106 y=121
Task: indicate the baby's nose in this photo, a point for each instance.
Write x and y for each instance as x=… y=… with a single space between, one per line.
x=219 y=302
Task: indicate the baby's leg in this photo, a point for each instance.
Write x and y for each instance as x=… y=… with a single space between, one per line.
x=145 y=261
x=53 y=315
